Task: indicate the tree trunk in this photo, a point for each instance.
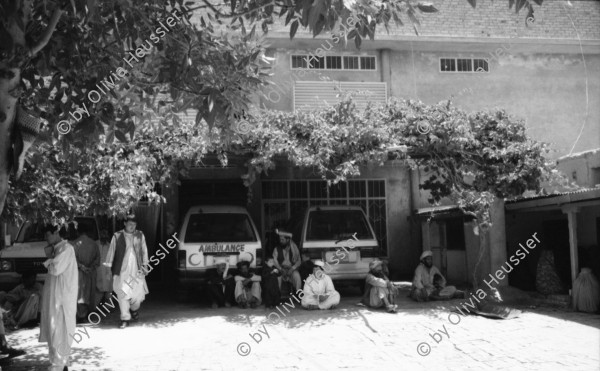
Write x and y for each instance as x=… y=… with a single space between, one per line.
x=10 y=76
x=8 y=109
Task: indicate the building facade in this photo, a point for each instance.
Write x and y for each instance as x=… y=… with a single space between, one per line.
x=543 y=70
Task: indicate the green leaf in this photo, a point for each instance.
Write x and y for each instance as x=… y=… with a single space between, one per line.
x=290 y=16
x=357 y=41
x=294 y=28
x=520 y=4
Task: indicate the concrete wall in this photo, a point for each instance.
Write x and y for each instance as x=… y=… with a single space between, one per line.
x=542 y=83
x=583 y=169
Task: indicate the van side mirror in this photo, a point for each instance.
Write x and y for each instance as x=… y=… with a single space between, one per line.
x=8 y=241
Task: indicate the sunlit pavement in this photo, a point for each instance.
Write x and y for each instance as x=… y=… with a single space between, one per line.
x=172 y=336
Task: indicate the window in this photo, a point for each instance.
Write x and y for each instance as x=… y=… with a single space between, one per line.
x=480 y=65
x=367 y=63
x=447 y=65
x=299 y=61
x=334 y=62
x=316 y=63
x=463 y=65
x=219 y=228
x=336 y=225
x=351 y=63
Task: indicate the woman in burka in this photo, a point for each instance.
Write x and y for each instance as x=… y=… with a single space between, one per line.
x=586 y=292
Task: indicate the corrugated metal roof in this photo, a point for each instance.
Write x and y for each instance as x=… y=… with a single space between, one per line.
x=591 y=152
x=592 y=192
x=436 y=209
x=440 y=213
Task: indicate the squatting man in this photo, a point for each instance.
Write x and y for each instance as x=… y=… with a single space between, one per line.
x=429 y=283
x=287 y=260
x=379 y=290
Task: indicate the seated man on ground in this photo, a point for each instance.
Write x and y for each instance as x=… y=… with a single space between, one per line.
x=247 y=286
x=379 y=290
x=221 y=286
x=23 y=302
x=270 y=280
x=4 y=347
x=287 y=260
x=319 y=292
x=429 y=283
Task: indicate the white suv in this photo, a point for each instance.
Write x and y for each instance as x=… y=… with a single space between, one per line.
x=27 y=254
x=324 y=235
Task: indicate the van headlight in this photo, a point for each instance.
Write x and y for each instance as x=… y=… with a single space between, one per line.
x=6 y=265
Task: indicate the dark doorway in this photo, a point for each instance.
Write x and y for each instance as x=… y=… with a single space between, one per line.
x=556 y=239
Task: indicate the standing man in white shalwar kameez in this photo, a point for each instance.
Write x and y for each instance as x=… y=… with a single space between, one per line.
x=128 y=256
x=59 y=298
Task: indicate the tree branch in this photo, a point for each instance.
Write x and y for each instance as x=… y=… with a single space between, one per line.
x=48 y=33
x=214 y=9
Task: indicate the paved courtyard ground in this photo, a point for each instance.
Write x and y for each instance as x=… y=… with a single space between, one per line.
x=172 y=336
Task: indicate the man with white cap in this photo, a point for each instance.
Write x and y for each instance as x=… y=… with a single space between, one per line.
x=379 y=290
x=429 y=283
x=287 y=259
x=319 y=292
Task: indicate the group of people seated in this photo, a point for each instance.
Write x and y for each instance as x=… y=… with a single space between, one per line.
x=18 y=308
x=287 y=269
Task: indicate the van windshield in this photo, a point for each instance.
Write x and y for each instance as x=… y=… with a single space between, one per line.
x=336 y=225
x=219 y=228
x=32 y=232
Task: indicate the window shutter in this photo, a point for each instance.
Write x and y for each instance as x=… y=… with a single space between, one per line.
x=309 y=95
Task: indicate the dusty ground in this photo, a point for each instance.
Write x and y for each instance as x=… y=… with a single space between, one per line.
x=174 y=336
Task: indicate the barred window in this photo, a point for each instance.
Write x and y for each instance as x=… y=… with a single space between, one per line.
x=334 y=62
x=464 y=65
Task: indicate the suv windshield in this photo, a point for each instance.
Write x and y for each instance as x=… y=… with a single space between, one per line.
x=32 y=232
x=219 y=228
x=336 y=225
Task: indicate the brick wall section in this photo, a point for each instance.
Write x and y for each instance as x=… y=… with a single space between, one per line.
x=493 y=19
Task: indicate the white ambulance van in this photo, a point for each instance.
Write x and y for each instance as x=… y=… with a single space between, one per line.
x=210 y=235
